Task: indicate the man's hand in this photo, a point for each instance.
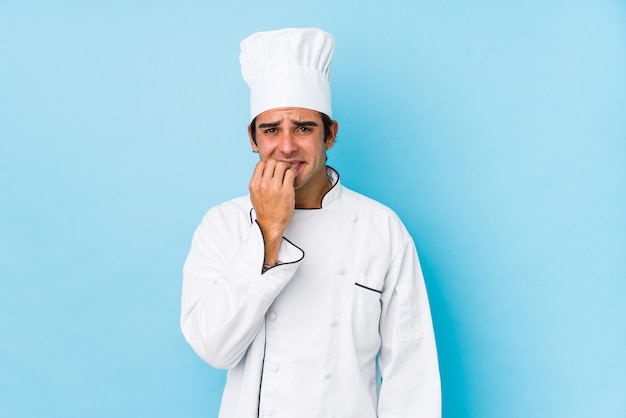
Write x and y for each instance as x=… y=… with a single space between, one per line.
x=274 y=198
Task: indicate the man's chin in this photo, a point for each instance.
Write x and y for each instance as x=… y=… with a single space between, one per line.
x=299 y=183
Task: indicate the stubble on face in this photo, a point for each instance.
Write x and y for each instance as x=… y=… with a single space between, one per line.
x=296 y=136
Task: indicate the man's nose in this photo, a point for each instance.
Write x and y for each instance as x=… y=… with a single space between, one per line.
x=288 y=143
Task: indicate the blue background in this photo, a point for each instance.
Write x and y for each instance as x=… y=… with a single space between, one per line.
x=496 y=130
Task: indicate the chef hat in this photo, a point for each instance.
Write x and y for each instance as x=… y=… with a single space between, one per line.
x=288 y=68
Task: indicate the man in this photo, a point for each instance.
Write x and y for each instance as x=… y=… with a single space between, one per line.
x=310 y=294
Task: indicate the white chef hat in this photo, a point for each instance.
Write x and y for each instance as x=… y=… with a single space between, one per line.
x=288 y=68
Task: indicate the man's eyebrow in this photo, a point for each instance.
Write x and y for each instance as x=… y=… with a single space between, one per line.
x=304 y=123
x=269 y=125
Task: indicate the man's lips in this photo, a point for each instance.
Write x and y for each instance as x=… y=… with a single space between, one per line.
x=295 y=164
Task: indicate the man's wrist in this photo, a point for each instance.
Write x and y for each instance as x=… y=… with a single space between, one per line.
x=267 y=266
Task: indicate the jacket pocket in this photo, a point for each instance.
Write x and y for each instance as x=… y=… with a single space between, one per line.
x=409 y=318
x=365 y=309
x=362 y=286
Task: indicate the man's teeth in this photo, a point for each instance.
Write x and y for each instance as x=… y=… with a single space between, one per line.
x=294 y=165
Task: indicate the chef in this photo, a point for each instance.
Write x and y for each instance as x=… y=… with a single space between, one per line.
x=310 y=294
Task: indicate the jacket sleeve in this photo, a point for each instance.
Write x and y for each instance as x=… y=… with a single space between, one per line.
x=408 y=358
x=225 y=294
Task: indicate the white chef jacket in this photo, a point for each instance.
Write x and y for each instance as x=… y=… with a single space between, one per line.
x=341 y=328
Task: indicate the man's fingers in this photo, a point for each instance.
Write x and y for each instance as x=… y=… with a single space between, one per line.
x=264 y=172
x=258 y=170
x=290 y=176
x=280 y=169
x=257 y=177
x=273 y=174
x=270 y=168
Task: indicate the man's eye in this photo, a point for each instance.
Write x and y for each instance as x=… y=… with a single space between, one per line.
x=270 y=131
x=304 y=129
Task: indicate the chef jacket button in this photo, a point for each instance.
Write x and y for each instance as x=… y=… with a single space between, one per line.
x=274 y=368
x=341 y=272
x=354 y=219
x=327 y=375
x=271 y=316
x=333 y=323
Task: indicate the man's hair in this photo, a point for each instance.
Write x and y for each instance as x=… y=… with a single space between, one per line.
x=328 y=123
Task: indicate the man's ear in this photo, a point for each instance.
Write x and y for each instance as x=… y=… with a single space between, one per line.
x=330 y=141
x=254 y=146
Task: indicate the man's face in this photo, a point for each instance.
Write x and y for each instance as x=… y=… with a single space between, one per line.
x=296 y=136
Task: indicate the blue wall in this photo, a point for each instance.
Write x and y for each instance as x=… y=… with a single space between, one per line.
x=497 y=130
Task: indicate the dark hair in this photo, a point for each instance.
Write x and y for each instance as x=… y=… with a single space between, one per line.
x=328 y=124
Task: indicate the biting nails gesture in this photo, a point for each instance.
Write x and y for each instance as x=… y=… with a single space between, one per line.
x=274 y=198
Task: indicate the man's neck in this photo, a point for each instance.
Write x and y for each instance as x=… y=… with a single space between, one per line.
x=310 y=196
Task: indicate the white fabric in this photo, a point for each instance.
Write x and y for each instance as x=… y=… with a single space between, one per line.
x=288 y=68
x=308 y=333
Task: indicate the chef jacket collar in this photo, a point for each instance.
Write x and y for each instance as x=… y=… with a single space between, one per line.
x=333 y=193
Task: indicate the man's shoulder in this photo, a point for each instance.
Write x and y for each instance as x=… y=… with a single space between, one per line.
x=241 y=202
x=374 y=215
x=365 y=203
x=234 y=208
x=368 y=207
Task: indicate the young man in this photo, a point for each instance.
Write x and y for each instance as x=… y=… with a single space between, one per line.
x=310 y=294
